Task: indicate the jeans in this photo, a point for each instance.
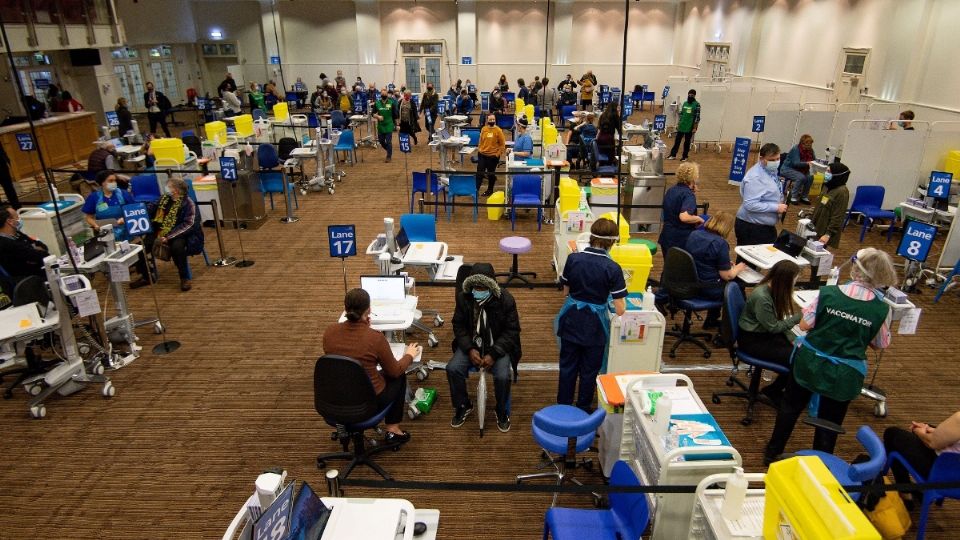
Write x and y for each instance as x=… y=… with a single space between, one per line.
x=583 y=361
x=795 y=400
x=458 y=369
x=687 y=138
x=801 y=182
x=486 y=166
x=395 y=394
x=386 y=141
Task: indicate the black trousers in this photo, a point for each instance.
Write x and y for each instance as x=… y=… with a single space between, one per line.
x=579 y=362
x=795 y=400
x=429 y=121
x=158 y=118
x=8 y=188
x=178 y=252
x=908 y=445
x=749 y=234
x=687 y=139
x=775 y=348
x=395 y=393
x=486 y=165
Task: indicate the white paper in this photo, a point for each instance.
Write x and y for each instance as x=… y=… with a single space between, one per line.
x=909 y=321
x=825 y=264
x=87 y=303
x=575 y=221
x=119 y=272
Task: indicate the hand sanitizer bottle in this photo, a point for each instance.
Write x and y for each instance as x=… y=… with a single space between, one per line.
x=649 y=300
x=834 y=276
x=661 y=415
x=734 y=495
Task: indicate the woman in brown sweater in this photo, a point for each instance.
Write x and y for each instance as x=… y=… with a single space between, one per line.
x=355 y=339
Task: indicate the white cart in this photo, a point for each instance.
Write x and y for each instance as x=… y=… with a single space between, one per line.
x=708 y=524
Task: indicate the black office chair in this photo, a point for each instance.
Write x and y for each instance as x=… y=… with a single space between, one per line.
x=345 y=398
x=192 y=142
x=682 y=283
x=285 y=146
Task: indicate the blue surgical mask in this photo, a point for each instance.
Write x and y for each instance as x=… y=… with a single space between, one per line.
x=110 y=186
x=19 y=225
x=827 y=176
x=167 y=190
x=480 y=296
x=772 y=166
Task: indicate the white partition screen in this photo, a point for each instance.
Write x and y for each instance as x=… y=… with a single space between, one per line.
x=712 y=99
x=942 y=137
x=846 y=113
x=679 y=86
x=816 y=119
x=882 y=157
x=781 y=125
x=737 y=119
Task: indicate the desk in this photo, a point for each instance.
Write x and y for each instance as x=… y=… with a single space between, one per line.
x=764 y=256
x=454 y=143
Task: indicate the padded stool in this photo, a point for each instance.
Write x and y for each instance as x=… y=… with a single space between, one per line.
x=516 y=245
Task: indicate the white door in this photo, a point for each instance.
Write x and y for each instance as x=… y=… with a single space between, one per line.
x=421 y=65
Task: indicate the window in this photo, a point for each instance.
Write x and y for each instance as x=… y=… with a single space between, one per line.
x=855 y=61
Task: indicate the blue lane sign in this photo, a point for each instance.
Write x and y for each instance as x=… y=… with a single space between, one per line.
x=660 y=122
x=485 y=101
x=471 y=89
x=666 y=92
x=605 y=97
x=416 y=101
x=201 y=103
x=343 y=240
x=405 y=143
x=136 y=219
x=939 y=186
x=25 y=142
x=112 y=119
x=916 y=242
x=275 y=521
x=274 y=59
x=466 y=60
x=359 y=103
x=758 y=123
x=738 y=166
x=228 y=169
x=442 y=107
x=627 y=108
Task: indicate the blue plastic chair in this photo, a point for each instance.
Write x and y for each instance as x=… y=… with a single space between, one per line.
x=347 y=144
x=337 y=119
x=509 y=97
x=948 y=282
x=473 y=134
x=313 y=121
x=422 y=185
x=526 y=191
x=272 y=182
x=505 y=122
x=627 y=517
x=145 y=188
x=637 y=98
x=859 y=473
x=419 y=227
x=946 y=468
x=462 y=185
x=566 y=431
x=867 y=202
x=596 y=158
x=258 y=114
x=566 y=112
x=267 y=157
x=734 y=302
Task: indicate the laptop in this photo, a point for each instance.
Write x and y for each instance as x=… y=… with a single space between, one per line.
x=387 y=298
x=402 y=241
x=444 y=134
x=790 y=243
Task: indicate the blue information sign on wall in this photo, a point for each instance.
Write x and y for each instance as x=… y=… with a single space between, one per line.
x=666 y=92
x=916 y=242
x=939 y=186
x=274 y=59
x=405 y=143
x=343 y=240
x=228 y=169
x=466 y=60
x=660 y=122
x=25 y=142
x=758 y=123
x=738 y=165
x=136 y=219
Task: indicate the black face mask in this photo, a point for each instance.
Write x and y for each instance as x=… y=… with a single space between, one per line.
x=491 y=124
x=383 y=97
x=691 y=99
x=429 y=89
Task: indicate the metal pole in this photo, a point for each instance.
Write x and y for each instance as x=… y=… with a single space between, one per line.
x=343 y=263
x=623 y=90
x=164 y=347
x=244 y=263
x=290 y=218
x=224 y=259
x=333 y=483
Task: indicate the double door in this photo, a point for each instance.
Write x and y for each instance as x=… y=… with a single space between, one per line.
x=133 y=77
x=420 y=71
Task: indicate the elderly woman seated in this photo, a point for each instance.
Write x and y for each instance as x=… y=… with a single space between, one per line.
x=176 y=226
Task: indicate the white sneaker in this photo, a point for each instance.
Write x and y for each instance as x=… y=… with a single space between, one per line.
x=672 y=157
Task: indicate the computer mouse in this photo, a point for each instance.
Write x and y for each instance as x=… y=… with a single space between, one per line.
x=419 y=528
x=449 y=258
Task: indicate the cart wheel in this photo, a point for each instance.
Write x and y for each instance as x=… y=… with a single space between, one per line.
x=98 y=369
x=597 y=501
x=109 y=390
x=746 y=421
x=321 y=464
x=38 y=411
x=715 y=399
x=34 y=389
x=432 y=340
x=422 y=374
x=330 y=190
x=438 y=321
x=303 y=192
x=673 y=354
x=157 y=327
x=706 y=354
x=880 y=409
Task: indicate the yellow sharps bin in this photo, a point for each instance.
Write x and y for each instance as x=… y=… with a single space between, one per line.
x=805 y=502
x=216 y=131
x=569 y=195
x=636 y=262
x=244 y=125
x=280 y=111
x=623 y=224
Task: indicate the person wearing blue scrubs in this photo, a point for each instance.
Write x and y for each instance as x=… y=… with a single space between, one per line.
x=523 y=145
x=680 y=209
x=711 y=253
x=590 y=278
x=106 y=205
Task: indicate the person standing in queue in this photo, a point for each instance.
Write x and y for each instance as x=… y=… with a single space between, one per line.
x=830 y=361
x=680 y=209
x=383 y=112
x=762 y=200
x=831 y=208
x=590 y=278
x=429 y=106
x=492 y=145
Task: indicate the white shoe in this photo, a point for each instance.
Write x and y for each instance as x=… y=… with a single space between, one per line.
x=672 y=157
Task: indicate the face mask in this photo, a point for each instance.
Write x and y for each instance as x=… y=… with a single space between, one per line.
x=429 y=89
x=827 y=176
x=480 y=296
x=110 y=186
x=691 y=99
x=383 y=97
x=491 y=124
x=772 y=166
x=19 y=225
x=167 y=190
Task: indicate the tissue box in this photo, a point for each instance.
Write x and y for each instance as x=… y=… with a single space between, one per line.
x=897 y=296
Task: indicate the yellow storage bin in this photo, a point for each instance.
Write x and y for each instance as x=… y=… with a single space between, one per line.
x=952 y=164
x=495 y=212
x=280 y=111
x=817 y=186
x=244 y=125
x=528 y=111
x=168 y=149
x=622 y=223
x=805 y=501
x=636 y=262
x=603 y=191
x=549 y=134
x=518 y=105
x=569 y=195
x=216 y=131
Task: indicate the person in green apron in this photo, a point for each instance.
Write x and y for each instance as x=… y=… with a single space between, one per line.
x=257 y=100
x=830 y=362
x=687 y=124
x=590 y=279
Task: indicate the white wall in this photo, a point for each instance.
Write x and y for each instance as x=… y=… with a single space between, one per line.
x=157 y=21
x=239 y=21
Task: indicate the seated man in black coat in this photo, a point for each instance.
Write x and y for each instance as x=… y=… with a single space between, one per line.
x=486 y=330
x=20 y=255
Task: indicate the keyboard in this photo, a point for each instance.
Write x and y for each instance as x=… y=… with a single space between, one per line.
x=749 y=275
x=389 y=315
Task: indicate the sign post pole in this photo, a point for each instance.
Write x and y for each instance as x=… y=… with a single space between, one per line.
x=343 y=244
x=228 y=171
x=137 y=221
x=405 y=149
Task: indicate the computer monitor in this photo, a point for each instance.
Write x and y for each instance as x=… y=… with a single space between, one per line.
x=402 y=240
x=384 y=288
x=444 y=134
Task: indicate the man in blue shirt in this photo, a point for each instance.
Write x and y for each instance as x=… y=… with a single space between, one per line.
x=523 y=145
x=762 y=200
x=465 y=105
